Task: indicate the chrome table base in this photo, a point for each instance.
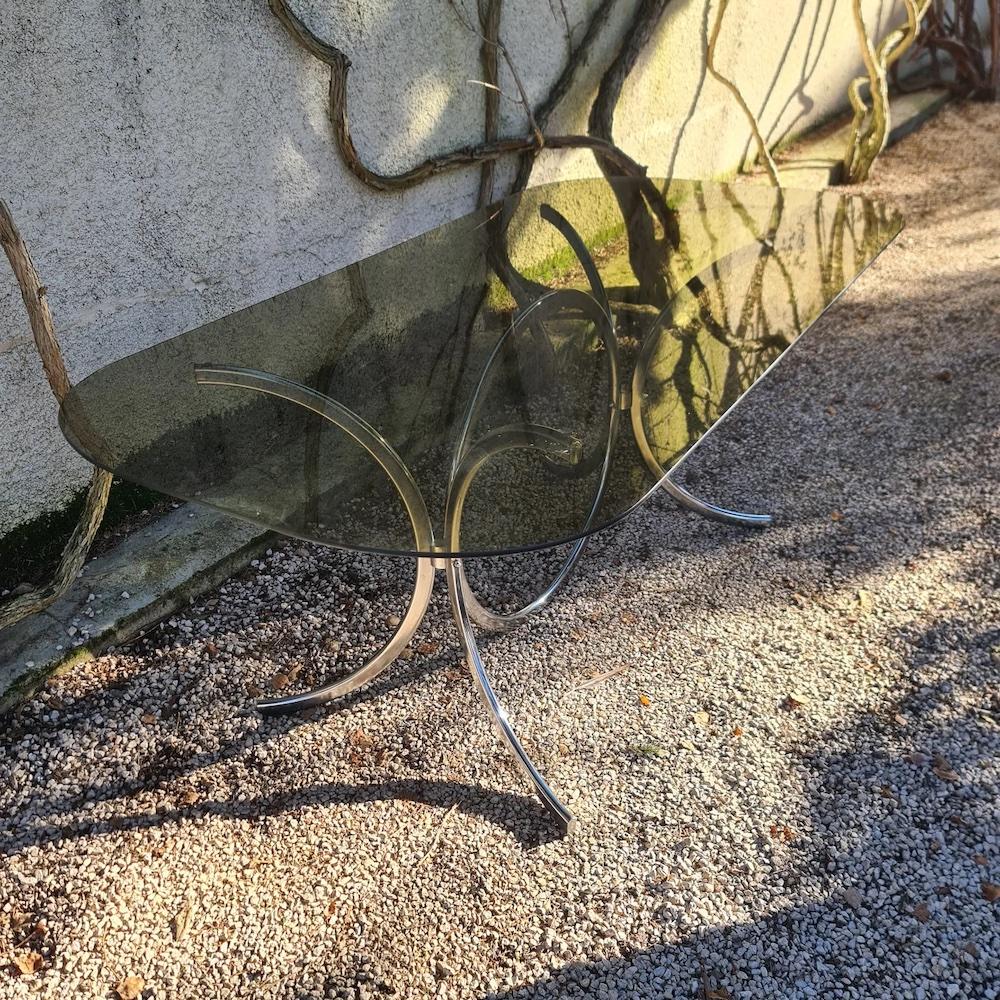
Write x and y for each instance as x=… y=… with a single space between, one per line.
x=470 y=454
x=468 y=613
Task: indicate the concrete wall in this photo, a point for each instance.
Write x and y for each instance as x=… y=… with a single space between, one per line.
x=170 y=163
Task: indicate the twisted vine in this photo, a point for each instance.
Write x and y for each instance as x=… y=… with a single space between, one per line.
x=33 y=292
x=870 y=125
x=762 y=148
x=483 y=152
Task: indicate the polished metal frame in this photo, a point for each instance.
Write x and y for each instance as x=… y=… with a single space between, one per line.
x=557 y=446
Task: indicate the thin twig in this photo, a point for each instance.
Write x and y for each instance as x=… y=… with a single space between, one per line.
x=437 y=835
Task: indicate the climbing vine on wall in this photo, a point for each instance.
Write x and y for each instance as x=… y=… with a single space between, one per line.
x=870 y=126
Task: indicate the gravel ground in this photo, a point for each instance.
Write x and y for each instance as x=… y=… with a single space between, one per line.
x=787 y=782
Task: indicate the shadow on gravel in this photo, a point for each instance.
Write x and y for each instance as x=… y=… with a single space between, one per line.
x=891 y=849
x=532 y=826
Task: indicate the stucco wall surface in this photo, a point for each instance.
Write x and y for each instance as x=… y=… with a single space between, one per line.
x=170 y=163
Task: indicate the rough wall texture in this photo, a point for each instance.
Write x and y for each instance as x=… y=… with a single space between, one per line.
x=170 y=163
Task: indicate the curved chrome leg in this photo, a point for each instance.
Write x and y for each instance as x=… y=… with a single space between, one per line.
x=558 y=445
x=709 y=510
x=681 y=495
x=464 y=468
x=559 y=812
x=394 y=467
x=493 y=622
x=422 y=589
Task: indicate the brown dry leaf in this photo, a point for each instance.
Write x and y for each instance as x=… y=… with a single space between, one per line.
x=737 y=732
x=359 y=738
x=980 y=859
x=428 y=647
x=991 y=892
x=27 y=962
x=279 y=681
x=254 y=691
x=783 y=833
x=181 y=923
x=702 y=718
x=148 y=718
x=211 y=648
x=922 y=912
x=836 y=515
x=944 y=770
x=294 y=671
x=190 y=797
x=944 y=376
x=331 y=907
x=644 y=701
x=130 y=988
x=794 y=701
x=900 y=720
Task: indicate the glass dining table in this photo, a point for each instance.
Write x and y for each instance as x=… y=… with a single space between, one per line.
x=517 y=379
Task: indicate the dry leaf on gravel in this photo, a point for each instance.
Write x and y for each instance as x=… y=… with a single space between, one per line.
x=922 y=912
x=130 y=988
x=279 y=681
x=428 y=647
x=644 y=700
x=991 y=892
x=359 y=738
x=182 y=920
x=737 y=732
x=27 y=963
x=917 y=758
x=836 y=515
x=794 y=701
x=980 y=859
x=783 y=833
x=944 y=770
x=865 y=601
x=189 y=797
x=148 y=718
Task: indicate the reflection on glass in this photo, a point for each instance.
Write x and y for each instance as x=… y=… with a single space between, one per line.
x=595 y=330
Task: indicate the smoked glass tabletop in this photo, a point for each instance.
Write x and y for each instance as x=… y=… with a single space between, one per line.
x=520 y=377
